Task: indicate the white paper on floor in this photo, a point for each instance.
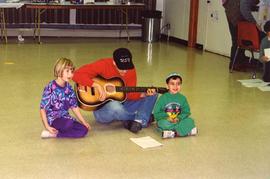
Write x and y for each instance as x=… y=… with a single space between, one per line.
x=146 y=142
x=264 y=88
x=251 y=81
x=258 y=83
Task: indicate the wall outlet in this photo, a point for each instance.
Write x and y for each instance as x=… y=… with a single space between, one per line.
x=168 y=26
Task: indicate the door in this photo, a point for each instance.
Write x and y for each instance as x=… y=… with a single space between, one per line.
x=217 y=35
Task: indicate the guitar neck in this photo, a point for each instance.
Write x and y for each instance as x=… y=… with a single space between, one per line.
x=127 y=89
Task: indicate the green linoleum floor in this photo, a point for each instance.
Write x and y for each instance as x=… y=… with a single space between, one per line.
x=233 y=121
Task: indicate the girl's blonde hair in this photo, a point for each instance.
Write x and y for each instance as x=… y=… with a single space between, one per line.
x=61 y=64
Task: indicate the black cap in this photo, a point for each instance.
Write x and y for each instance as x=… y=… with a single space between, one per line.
x=123 y=59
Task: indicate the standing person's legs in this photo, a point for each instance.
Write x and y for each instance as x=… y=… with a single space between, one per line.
x=142 y=108
x=111 y=111
x=266 y=73
x=241 y=53
x=69 y=128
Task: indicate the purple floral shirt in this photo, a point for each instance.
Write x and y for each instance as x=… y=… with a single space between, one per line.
x=57 y=100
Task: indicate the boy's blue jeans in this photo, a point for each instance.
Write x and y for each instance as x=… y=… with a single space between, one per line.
x=139 y=110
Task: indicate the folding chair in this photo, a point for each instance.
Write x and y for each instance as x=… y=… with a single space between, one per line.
x=247 y=39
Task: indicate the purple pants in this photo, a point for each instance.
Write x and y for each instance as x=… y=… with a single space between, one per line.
x=69 y=128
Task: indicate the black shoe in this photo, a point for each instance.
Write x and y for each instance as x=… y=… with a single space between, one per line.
x=127 y=124
x=135 y=127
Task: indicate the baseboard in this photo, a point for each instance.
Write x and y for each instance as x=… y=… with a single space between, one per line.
x=180 y=41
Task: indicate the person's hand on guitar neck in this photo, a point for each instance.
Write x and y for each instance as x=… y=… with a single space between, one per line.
x=102 y=93
x=149 y=92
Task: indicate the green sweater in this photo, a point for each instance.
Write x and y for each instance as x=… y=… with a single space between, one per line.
x=171 y=104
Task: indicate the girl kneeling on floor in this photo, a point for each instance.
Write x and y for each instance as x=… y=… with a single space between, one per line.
x=58 y=97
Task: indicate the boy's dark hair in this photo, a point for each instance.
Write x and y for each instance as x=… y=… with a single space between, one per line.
x=173 y=76
x=267 y=26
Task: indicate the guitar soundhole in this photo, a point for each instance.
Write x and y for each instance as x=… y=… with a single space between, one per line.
x=93 y=91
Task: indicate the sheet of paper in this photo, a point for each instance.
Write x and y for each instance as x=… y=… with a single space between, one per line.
x=264 y=88
x=146 y=142
x=250 y=85
x=251 y=81
x=267 y=53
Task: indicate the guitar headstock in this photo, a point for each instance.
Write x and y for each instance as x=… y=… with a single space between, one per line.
x=161 y=90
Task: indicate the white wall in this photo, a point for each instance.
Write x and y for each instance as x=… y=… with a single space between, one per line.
x=202 y=22
x=217 y=36
x=177 y=15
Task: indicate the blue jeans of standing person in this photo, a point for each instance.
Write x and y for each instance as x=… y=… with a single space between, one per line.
x=139 y=110
x=68 y=128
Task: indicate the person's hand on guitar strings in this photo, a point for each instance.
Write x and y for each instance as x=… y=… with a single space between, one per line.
x=149 y=92
x=102 y=93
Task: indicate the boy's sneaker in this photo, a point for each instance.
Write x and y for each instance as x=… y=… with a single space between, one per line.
x=46 y=134
x=193 y=132
x=168 y=134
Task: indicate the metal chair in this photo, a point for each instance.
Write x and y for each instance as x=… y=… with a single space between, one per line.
x=247 y=39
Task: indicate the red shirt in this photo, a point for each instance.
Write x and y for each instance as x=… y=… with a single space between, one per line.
x=105 y=68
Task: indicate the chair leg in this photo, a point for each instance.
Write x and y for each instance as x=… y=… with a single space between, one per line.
x=253 y=76
x=234 y=59
x=250 y=58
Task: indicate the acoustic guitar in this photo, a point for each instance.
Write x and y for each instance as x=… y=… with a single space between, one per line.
x=115 y=89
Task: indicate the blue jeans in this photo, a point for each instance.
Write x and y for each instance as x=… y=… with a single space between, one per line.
x=139 y=110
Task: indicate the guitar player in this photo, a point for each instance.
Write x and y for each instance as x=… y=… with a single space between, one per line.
x=136 y=110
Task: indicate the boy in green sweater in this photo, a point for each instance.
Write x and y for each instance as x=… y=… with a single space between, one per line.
x=172 y=111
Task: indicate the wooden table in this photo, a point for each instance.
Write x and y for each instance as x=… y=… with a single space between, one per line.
x=42 y=7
